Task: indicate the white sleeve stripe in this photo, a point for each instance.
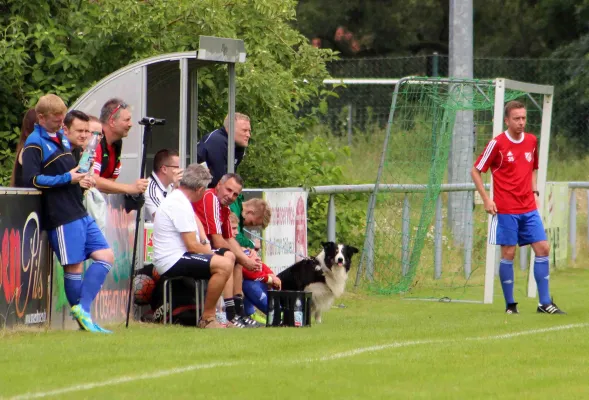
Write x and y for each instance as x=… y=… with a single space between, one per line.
x=217 y=215
x=486 y=154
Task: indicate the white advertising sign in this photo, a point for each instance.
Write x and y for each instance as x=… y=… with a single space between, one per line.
x=286 y=236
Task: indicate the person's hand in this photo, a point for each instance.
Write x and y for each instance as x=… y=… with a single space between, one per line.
x=276 y=282
x=139 y=186
x=253 y=264
x=88 y=182
x=490 y=207
x=178 y=173
x=77 y=176
x=537 y=198
x=253 y=254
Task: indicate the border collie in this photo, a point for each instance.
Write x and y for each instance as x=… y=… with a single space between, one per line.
x=324 y=276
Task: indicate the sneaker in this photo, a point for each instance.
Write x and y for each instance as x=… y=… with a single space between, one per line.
x=549 y=309
x=236 y=322
x=250 y=323
x=101 y=329
x=259 y=318
x=210 y=323
x=83 y=318
x=511 y=309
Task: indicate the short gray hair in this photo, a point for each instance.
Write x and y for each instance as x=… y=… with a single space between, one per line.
x=238 y=116
x=195 y=176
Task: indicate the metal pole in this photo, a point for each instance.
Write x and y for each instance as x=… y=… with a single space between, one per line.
x=438 y=240
x=231 y=133
x=436 y=64
x=183 y=125
x=405 y=234
x=368 y=242
x=573 y=224
x=193 y=115
x=523 y=258
x=331 y=219
x=588 y=218
x=350 y=124
x=468 y=239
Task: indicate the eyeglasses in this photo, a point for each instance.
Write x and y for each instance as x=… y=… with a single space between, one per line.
x=117 y=108
x=172 y=166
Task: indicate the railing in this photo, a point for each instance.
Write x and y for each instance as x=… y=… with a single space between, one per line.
x=416 y=188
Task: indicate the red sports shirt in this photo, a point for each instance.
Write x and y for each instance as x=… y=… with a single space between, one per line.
x=112 y=169
x=512 y=164
x=213 y=216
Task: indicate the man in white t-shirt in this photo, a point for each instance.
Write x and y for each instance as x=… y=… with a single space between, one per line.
x=166 y=174
x=180 y=244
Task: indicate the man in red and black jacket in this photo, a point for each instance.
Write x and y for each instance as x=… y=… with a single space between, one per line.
x=115 y=117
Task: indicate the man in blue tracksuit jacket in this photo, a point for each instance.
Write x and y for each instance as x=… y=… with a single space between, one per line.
x=49 y=166
x=212 y=148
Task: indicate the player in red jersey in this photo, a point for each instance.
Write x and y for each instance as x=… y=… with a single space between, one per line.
x=213 y=211
x=513 y=159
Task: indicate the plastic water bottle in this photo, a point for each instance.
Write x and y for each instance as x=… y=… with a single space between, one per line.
x=270 y=310
x=89 y=153
x=298 y=312
x=220 y=312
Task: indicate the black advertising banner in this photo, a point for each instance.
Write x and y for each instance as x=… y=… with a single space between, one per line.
x=24 y=262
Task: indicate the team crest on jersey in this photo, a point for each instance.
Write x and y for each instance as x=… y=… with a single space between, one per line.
x=510 y=157
x=529 y=156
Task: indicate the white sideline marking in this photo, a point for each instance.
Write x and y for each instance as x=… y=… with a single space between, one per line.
x=349 y=353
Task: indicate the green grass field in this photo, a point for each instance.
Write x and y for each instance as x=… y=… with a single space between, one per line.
x=375 y=347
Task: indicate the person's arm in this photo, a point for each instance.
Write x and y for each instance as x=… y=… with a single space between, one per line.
x=477 y=178
x=193 y=246
x=219 y=241
x=32 y=167
x=152 y=201
x=216 y=156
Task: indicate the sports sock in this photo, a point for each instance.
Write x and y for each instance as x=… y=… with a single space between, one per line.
x=93 y=280
x=230 y=308
x=542 y=276
x=239 y=308
x=72 y=283
x=506 y=277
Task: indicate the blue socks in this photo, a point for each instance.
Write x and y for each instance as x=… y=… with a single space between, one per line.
x=506 y=277
x=72 y=284
x=542 y=276
x=93 y=280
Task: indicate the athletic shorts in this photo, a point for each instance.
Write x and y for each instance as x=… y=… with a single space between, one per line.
x=75 y=241
x=197 y=266
x=516 y=229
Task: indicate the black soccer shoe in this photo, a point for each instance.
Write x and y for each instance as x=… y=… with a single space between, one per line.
x=250 y=323
x=549 y=309
x=511 y=309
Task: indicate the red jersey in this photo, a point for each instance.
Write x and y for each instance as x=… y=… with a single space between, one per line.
x=512 y=164
x=113 y=167
x=257 y=275
x=213 y=216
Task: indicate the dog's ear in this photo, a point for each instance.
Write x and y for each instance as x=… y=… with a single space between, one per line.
x=328 y=245
x=350 y=251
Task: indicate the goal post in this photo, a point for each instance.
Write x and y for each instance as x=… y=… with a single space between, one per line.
x=425 y=236
x=547 y=92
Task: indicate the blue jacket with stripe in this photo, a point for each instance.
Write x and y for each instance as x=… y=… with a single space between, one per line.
x=46 y=166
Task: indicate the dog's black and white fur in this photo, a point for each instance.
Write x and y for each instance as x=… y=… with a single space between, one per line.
x=324 y=276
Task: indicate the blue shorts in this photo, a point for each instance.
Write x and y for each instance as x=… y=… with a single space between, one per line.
x=516 y=229
x=74 y=242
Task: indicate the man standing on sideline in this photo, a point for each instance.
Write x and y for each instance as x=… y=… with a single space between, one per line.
x=213 y=211
x=115 y=117
x=48 y=165
x=212 y=148
x=513 y=159
x=165 y=176
x=180 y=245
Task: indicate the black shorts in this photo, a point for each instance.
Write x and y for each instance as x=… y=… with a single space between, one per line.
x=197 y=266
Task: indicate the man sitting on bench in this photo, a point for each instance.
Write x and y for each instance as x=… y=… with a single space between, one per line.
x=180 y=244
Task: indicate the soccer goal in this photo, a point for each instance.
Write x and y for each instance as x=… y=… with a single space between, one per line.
x=426 y=234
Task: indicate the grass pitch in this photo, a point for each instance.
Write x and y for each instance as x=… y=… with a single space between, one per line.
x=375 y=347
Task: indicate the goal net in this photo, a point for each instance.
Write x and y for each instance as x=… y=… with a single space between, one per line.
x=426 y=233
